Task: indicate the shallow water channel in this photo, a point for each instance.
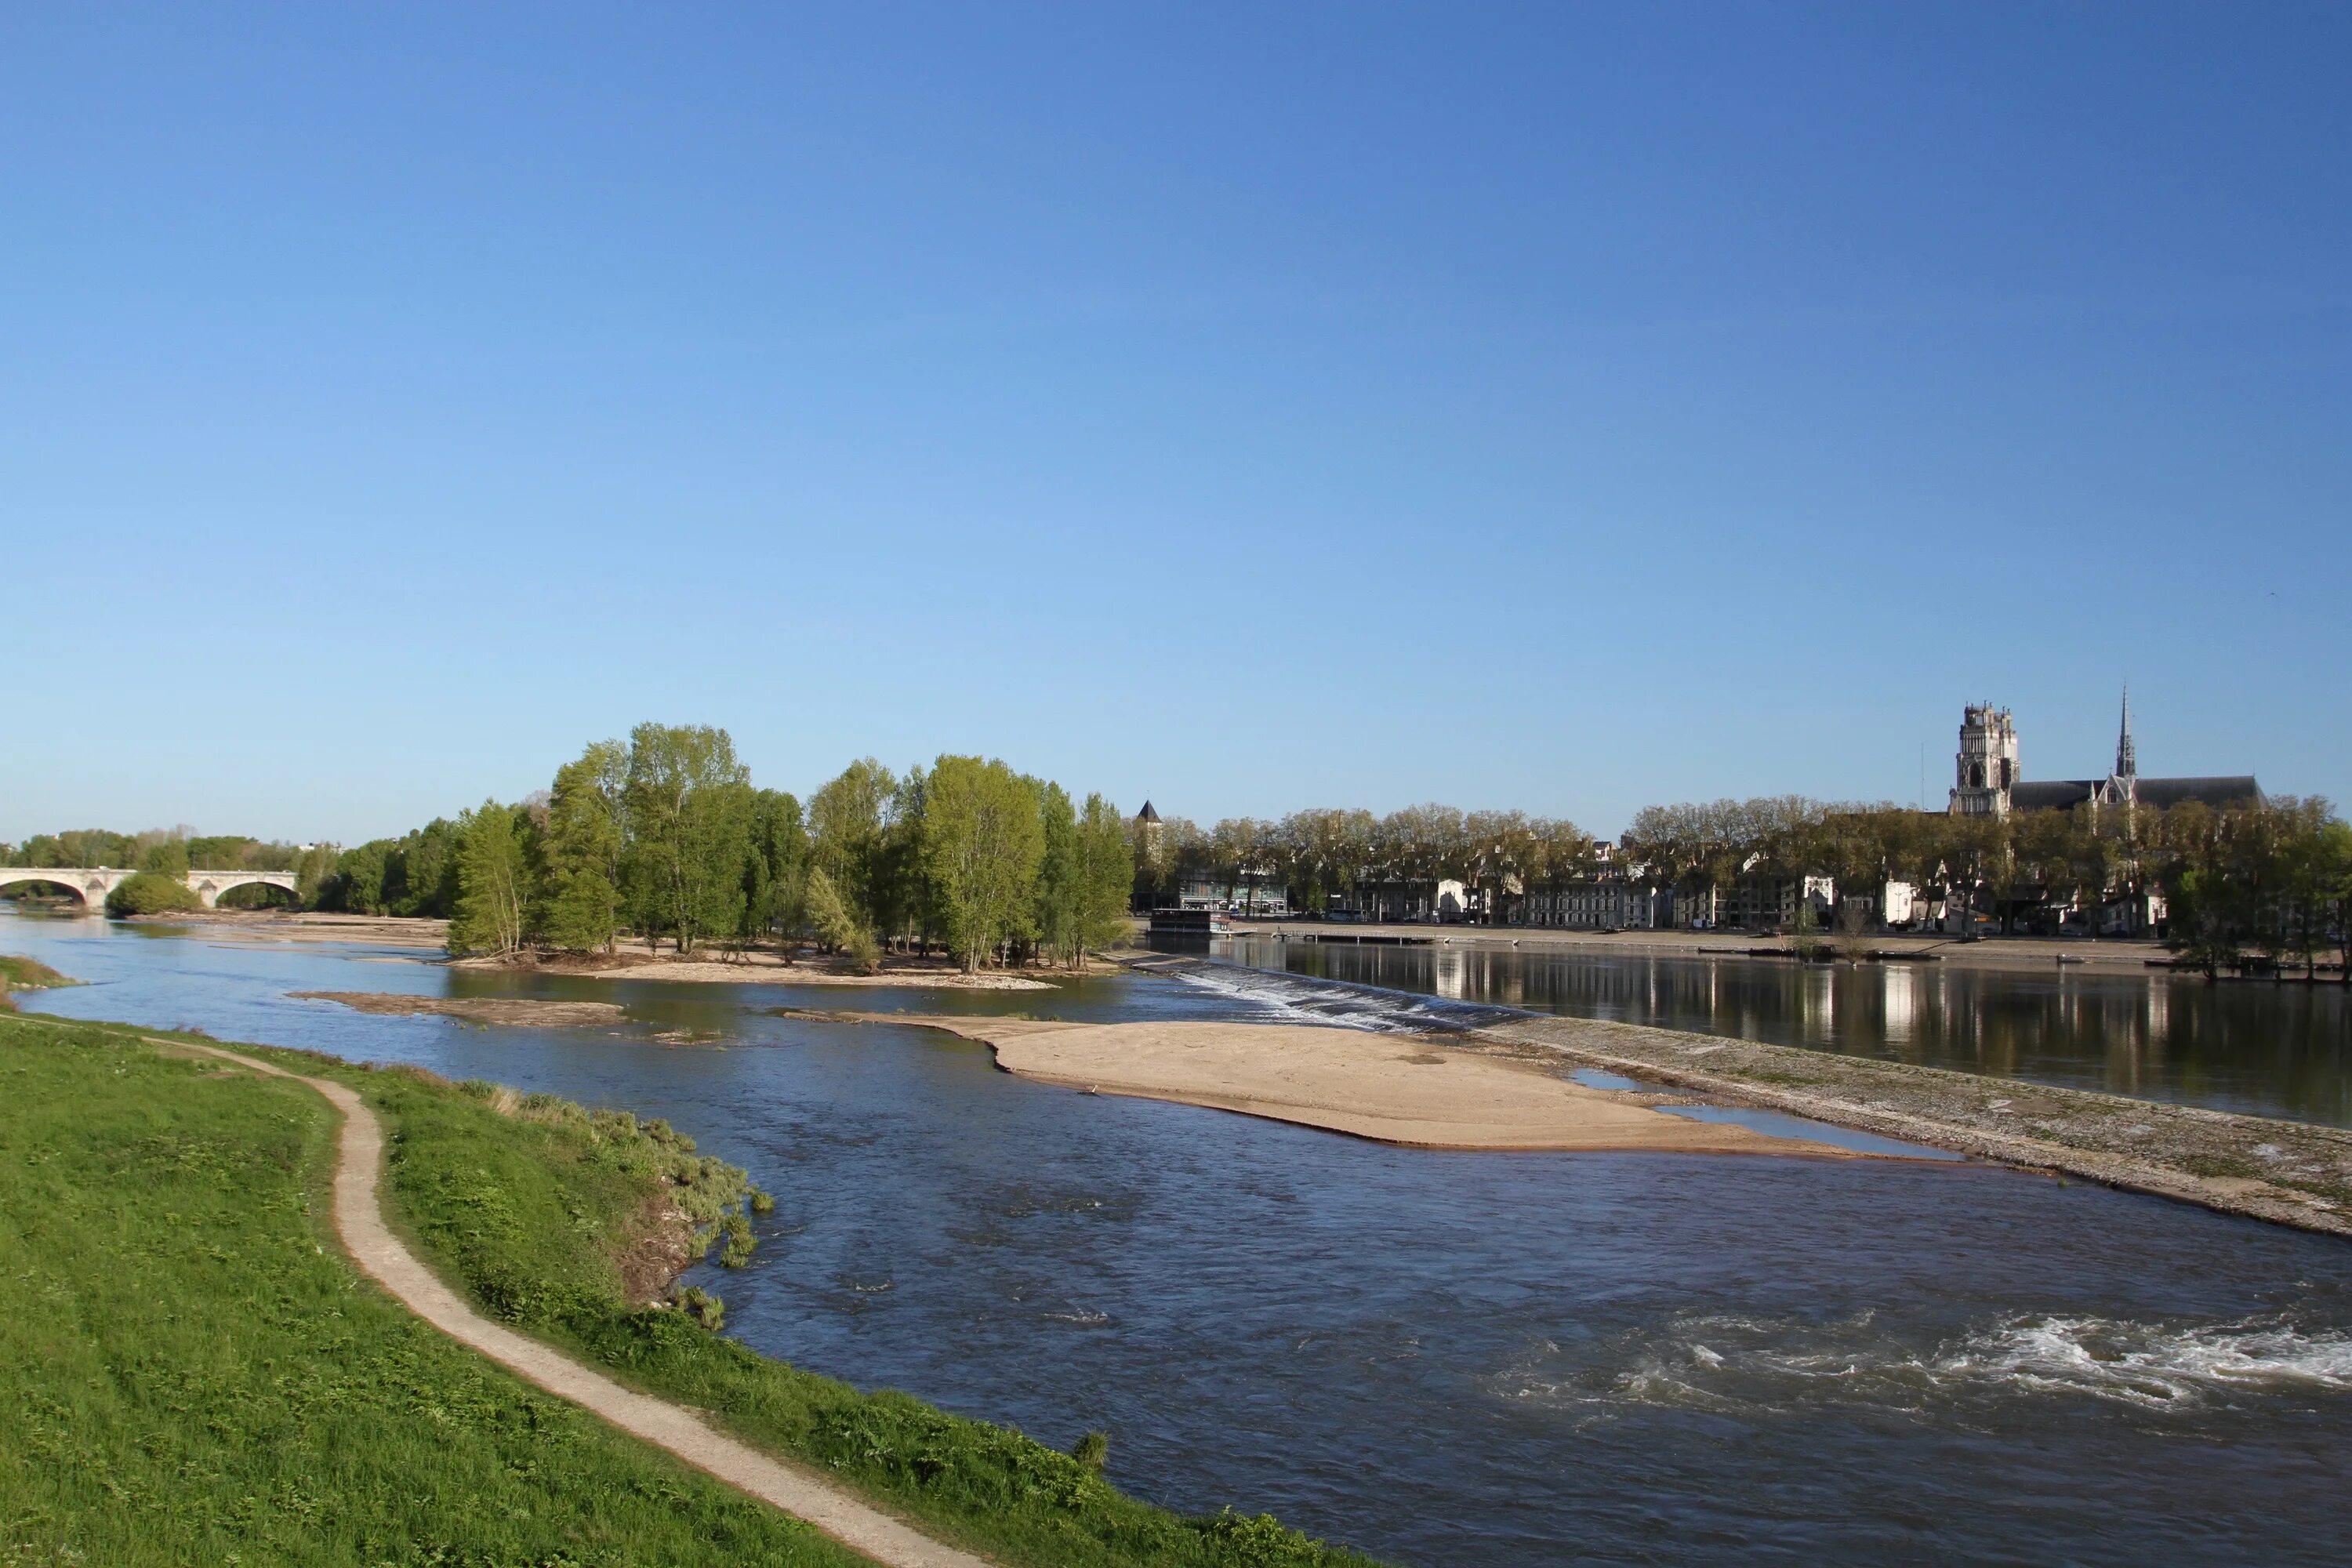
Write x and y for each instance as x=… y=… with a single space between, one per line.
x=1438 y=1358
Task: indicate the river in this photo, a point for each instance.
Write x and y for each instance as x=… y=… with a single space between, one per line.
x=1439 y=1358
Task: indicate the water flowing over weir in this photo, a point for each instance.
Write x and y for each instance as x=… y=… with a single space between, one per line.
x=1443 y=1359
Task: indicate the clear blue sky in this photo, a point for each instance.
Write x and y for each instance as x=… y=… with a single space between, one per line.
x=1554 y=407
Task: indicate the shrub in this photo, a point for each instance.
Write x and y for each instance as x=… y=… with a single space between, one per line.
x=152 y=893
x=1092 y=1450
x=702 y=1307
x=740 y=1242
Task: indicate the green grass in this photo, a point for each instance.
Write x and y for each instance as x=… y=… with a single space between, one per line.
x=28 y=974
x=530 y=1206
x=195 y=1374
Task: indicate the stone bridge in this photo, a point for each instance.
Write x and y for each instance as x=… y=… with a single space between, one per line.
x=93 y=883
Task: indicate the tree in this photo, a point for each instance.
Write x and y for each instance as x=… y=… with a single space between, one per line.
x=151 y=893
x=584 y=843
x=690 y=809
x=838 y=927
x=847 y=820
x=983 y=842
x=776 y=873
x=167 y=859
x=1057 y=917
x=1105 y=874
x=493 y=882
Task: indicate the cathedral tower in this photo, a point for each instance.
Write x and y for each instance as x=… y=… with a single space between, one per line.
x=1986 y=769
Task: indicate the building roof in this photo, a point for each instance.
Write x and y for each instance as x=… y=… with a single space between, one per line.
x=1147 y=813
x=2060 y=795
x=2215 y=791
x=2050 y=794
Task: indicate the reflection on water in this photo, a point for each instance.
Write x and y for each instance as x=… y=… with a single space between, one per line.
x=2272 y=1048
x=1461 y=1359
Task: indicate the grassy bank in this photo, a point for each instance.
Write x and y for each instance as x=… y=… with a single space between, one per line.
x=28 y=974
x=558 y=1221
x=195 y=1374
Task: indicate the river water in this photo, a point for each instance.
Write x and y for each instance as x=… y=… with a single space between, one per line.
x=1439 y=1358
x=2263 y=1047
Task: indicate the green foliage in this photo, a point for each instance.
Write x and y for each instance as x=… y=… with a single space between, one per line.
x=706 y=1310
x=584 y=846
x=1056 y=908
x=983 y=841
x=168 y=858
x=152 y=893
x=1106 y=875
x=28 y=974
x=689 y=810
x=495 y=881
x=839 y=929
x=849 y=823
x=213 y=1383
x=1092 y=1450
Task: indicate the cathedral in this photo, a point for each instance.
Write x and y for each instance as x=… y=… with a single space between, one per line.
x=1986 y=782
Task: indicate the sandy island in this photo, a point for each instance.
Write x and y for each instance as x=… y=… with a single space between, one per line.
x=1395 y=1089
x=508 y=1010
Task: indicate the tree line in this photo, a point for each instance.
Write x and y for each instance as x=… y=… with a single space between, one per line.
x=2273 y=876
x=665 y=838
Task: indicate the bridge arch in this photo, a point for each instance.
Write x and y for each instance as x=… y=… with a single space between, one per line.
x=90 y=887
x=208 y=886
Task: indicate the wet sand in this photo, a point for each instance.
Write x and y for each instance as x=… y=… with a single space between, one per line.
x=1395 y=1089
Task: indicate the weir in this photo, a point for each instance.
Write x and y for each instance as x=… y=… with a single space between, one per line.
x=92 y=883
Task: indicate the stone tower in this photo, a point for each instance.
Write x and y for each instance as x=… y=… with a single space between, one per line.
x=1986 y=769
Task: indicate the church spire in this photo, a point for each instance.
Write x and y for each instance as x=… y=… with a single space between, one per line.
x=2126 y=759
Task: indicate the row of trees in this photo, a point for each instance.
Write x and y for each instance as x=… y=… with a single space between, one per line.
x=2273 y=874
x=1320 y=854
x=666 y=836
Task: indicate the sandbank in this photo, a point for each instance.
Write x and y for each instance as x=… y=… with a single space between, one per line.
x=1395 y=1089
x=510 y=1010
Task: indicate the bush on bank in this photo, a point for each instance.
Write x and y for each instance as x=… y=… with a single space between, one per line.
x=152 y=893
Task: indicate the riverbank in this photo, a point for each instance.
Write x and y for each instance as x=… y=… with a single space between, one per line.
x=2290 y=1172
x=2013 y=954
x=532 y=1218
x=1419 y=1092
x=29 y=975
x=197 y=1374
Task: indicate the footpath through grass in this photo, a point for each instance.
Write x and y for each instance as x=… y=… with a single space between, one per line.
x=548 y=1216
x=193 y=1374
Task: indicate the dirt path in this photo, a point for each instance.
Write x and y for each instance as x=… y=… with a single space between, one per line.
x=360 y=1221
